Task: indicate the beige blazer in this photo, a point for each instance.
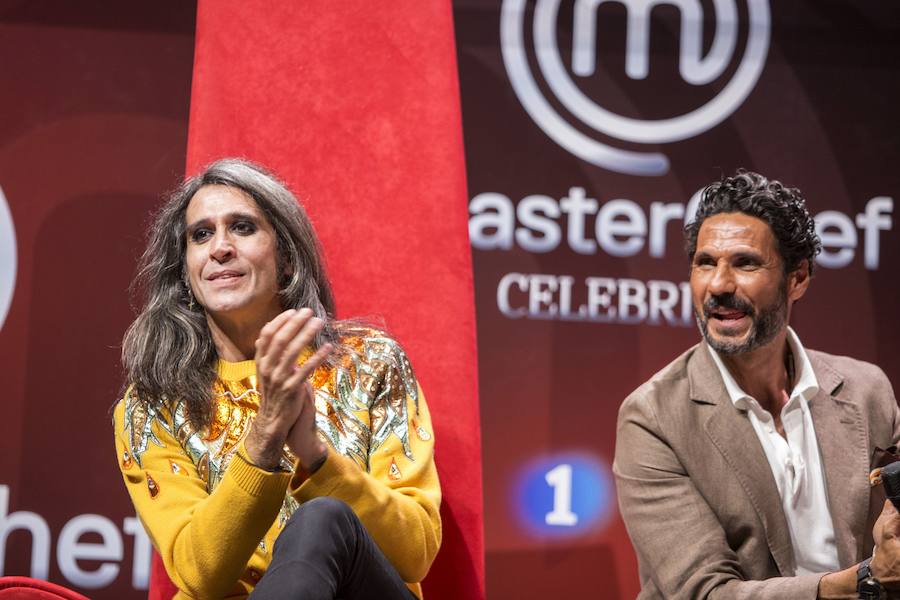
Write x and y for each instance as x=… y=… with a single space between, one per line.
x=697 y=494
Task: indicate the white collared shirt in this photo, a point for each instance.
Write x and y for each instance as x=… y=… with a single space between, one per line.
x=795 y=462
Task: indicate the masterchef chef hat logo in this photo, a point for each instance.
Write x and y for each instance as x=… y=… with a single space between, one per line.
x=584 y=113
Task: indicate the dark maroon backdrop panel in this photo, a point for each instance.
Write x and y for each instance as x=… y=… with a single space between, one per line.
x=93 y=127
x=581 y=156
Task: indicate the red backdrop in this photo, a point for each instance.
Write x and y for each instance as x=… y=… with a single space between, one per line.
x=358 y=110
x=94 y=126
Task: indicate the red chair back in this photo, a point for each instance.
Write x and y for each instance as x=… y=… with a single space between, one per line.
x=26 y=588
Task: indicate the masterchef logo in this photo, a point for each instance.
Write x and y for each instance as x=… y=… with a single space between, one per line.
x=7 y=258
x=567 y=113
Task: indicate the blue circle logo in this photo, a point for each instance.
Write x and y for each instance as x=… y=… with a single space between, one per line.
x=564 y=495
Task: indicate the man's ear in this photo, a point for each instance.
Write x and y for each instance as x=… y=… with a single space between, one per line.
x=798 y=281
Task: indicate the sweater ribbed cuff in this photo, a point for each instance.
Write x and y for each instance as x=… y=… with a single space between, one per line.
x=255 y=481
x=323 y=482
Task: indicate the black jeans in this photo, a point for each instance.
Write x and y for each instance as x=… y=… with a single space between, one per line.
x=324 y=552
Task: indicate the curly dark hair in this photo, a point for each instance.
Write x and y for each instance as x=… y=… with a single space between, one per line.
x=782 y=208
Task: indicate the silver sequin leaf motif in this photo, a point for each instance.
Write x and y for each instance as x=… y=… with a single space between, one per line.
x=139 y=418
x=388 y=409
x=338 y=423
x=197 y=450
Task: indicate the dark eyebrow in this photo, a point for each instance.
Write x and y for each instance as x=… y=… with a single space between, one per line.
x=234 y=216
x=746 y=255
x=754 y=256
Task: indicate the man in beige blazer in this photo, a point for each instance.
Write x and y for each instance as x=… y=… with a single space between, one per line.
x=742 y=467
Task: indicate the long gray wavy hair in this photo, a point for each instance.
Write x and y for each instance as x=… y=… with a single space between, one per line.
x=168 y=351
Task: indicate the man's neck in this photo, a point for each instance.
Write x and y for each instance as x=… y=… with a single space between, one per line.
x=763 y=373
x=235 y=339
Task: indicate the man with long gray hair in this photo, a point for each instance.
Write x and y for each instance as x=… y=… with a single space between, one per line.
x=268 y=448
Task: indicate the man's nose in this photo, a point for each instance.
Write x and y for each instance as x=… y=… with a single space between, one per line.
x=722 y=281
x=221 y=248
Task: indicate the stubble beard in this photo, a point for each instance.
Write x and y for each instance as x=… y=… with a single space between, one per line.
x=765 y=325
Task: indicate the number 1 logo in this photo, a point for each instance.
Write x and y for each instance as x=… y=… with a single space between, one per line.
x=560 y=479
x=564 y=495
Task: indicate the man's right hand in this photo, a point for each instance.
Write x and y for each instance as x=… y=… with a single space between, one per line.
x=280 y=382
x=885 y=564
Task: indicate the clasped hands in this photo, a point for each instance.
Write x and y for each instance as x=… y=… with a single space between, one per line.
x=287 y=412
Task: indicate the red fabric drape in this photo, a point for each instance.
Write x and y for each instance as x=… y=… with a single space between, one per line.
x=357 y=108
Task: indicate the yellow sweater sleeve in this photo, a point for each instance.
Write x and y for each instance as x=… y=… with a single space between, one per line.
x=398 y=500
x=205 y=540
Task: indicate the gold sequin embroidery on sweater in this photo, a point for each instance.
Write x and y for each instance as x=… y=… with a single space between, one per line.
x=360 y=404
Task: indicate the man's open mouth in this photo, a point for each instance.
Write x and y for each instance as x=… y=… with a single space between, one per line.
x=726 y=316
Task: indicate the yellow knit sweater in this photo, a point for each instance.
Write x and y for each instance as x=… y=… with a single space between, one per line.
x=214 y=520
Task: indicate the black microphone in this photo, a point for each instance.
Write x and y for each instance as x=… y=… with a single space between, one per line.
x=890 y=479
